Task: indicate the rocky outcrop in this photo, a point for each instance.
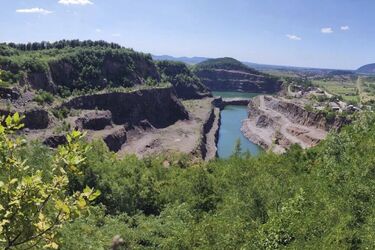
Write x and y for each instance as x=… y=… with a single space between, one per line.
x=35 y=118
x=55 y=140
x=115 y=139
x=9 y=93
x=298 y=114
x=159 y=106
x=95 y=120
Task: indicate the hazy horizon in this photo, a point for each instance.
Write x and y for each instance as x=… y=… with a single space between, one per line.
x=319 y=34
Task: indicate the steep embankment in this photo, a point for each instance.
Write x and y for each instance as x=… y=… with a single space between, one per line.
x=277 y=123
x=227 y=74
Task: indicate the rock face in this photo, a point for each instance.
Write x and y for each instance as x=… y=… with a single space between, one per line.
x=299 y=115
x=55 y=140
x=160 y=106
x=115 y=139
x=34 y=118
x=228 y=74
x=95 y=120
x=277 y=123
x=41 y=80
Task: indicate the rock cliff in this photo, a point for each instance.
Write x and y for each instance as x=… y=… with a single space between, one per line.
x=160 y=106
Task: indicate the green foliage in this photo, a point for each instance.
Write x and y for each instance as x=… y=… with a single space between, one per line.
x=43 y=97
x=61 y=113
x=34 y=203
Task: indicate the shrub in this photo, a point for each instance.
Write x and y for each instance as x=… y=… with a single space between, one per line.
x=43 y=97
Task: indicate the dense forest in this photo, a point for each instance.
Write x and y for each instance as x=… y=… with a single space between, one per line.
x=320 y=198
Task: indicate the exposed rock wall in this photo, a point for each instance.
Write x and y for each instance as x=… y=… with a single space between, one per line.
x=299 y=115
x=159 y=106
x=235 y=80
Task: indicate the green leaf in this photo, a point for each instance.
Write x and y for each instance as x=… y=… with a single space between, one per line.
x=16 y=117
x=8 y=121
x=81 y=203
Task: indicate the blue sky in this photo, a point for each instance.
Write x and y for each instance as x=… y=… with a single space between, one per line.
x=315 y=33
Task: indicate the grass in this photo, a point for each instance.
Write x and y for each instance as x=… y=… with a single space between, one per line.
x=347 y=89
x=366 y=86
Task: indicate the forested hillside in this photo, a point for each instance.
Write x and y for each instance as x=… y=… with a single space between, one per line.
x=321 y=198
x=71 y=65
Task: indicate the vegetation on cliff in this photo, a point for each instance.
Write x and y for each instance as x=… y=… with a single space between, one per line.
x=185 y=82
x=70 y=65
x=316 y=198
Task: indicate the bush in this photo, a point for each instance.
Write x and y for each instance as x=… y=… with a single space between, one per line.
x=34 y=203
x=43 y=97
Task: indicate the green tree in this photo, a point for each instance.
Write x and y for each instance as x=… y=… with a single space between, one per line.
x=33 y=204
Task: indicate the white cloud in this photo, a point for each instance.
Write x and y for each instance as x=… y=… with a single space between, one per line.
x=344 y=28
x=98 y=30
x=293 y=37
x=34 y=11
x=327 y=30
x=75 y=2
x=116 y=34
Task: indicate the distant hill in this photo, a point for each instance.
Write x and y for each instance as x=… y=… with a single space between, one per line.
x=184 y=59
x=257 y=66
x=367 y=69
x=228 y=74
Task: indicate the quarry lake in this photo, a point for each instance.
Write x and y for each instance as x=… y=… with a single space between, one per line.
x=230 y=130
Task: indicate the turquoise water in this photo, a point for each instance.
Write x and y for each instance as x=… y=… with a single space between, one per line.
x=230 y=132
x=233 y=94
